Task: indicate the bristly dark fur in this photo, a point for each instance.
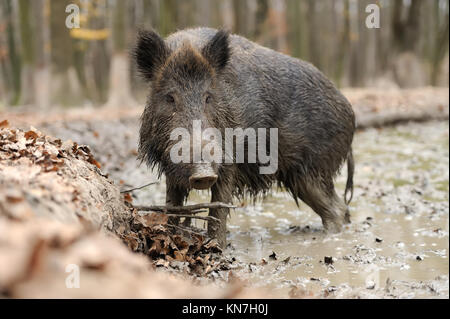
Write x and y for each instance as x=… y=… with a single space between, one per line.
x=249 y=86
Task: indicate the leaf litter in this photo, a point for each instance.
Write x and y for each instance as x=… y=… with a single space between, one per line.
x=28 y=157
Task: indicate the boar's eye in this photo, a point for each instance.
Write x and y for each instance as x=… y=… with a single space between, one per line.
x=208 y=99
x=170 y=99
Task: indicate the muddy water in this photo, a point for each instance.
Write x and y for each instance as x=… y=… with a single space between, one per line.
x=399 y=227
x=396 y=246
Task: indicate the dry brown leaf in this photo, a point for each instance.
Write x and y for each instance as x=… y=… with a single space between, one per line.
x=14 y=199
x=127 y=197
x=4 y=123
x=151 y=219
x=93 y=161
x=179 y=256
x=31 y=135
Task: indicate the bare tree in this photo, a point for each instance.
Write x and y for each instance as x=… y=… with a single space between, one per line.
x=344 y=43
x=41 y=76
x=27 y=53
x=313 y=39
x=228 y=19
x=119 y=83
x=408 y=70
x=9 y=56
x=65 y=86
x=277 y=24
x=405 y=31
x=441 y=40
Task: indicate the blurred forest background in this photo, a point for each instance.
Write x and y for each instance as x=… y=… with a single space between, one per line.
x=43 y=63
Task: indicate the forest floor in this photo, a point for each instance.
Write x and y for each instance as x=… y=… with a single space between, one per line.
x=397 y=244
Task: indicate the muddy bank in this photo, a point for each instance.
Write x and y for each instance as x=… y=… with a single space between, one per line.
x=60 y=224
x=42 y=258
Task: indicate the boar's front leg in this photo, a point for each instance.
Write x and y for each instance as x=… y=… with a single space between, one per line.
x=174 y=197
x=218 y=229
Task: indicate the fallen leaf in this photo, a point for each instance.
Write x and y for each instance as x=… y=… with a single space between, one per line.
x=127 y=197
x=4 y=123
x=152 y=219
x=14 y=199
x=93 y=161
x=31 y=135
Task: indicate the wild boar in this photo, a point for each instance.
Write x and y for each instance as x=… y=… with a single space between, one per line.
x=225 y=81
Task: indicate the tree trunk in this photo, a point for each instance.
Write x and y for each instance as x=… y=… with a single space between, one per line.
x=313 y=41
x=14 y=66
x=405 y=32
x=168 y=17
x=119 y=77
x=407 y=67
x=277 y=25
x=441 y=44
x=65 y=86
x=28 y=56
x=344 y=45
x=41 y=76
x=260 y=18
x=228 y=19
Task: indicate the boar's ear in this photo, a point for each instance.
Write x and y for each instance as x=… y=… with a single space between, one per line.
x=217 y=50
x=150 y=53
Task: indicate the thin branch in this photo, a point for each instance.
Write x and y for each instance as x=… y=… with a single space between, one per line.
x=190 y=216
x=189 y=209
x=185 y=229
x=140 y=187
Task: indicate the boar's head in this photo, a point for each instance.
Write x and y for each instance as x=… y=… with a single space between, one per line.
x=185 y=86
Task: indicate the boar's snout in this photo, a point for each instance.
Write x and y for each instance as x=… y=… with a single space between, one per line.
x=203 y=177
x=202 y=182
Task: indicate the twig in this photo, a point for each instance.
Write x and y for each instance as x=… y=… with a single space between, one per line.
x=140 y=187
x=189 y=209
x=190 y=216
x=185 y=229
